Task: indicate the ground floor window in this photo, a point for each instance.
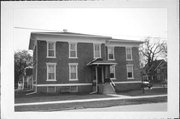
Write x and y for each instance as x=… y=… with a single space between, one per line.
x=51 y=89
x=73 y=71
x=112 y=72
x=51 y=71
x=73 y=88
x=130 y=71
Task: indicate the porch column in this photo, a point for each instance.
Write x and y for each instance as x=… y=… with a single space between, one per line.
x=96 y=78
x=102 y=69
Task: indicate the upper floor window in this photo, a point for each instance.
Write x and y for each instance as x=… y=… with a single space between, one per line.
x=111 y=53
x=130 y=72
x=51 y=71
x=112 y=71
x=97 y=50
x=73 y=71
x=51 y=49
x=128 y=53
x=72 y=50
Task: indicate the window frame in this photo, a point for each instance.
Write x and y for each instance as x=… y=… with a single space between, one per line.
x=73 y=64
x=132 y=66
x=54 y=49
x=94 y=45
x=109 y=52
x=54 y=64
x=72 y=50
x=113 y=72
x=128 y=53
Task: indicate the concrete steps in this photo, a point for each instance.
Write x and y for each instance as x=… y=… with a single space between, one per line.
x=108 y=89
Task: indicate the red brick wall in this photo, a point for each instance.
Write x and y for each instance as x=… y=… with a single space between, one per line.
x=120 y=59
x=84 y=54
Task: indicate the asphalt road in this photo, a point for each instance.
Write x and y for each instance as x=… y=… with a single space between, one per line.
x=140 y=107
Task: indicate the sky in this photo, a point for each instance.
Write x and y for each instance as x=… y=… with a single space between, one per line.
x=120 y=23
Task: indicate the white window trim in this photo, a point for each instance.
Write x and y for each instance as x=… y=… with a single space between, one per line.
x=76 y=72
x=113 y=52
x=53 y=49
x=114 y=73
x=94 y=49
x=132 y=70
x=75 y=49
x=131 y=54
x=47 y=71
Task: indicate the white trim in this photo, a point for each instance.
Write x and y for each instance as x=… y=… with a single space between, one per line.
x=94 y=50
x=54 y=72
x=130 y=54
x=65 y=84
x=76 y=64
x=75 y=50
x=104 y=63
x=71 y=39
x=132 y=70
x=129 y=82
x=47 y=42
x=113 y=52
x=122 y=44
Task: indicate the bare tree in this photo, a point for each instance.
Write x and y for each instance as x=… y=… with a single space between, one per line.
x=152 y=49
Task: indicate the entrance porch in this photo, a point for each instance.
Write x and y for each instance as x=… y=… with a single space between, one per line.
x=101 y=76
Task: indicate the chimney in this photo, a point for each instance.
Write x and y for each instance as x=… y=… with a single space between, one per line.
x=64 y=30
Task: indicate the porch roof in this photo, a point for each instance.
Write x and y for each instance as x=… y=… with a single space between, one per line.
x=100 y=61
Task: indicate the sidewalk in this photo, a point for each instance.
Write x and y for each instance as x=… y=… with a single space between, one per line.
x=116 y=97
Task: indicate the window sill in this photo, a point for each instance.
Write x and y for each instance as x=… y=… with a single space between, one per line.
x=130 y=78
x=97 y=57
x=111 y=59
x=73 y=79
x=51 y=80
x=129 y=59
x=73 y=57
x=50 y=57
x=113 y=78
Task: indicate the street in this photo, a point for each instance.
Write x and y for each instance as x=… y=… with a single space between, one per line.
x=140 y=107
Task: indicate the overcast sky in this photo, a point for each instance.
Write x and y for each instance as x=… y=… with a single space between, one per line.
x=122 y=23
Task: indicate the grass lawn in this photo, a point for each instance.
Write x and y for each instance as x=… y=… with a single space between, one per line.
x=55 y=97
x=95 y=104
x=155 y=91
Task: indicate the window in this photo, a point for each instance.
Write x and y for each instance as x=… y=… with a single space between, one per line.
x=51 y=49
x=51 y=71
x=130 y=72
x=73 y=71
x=110 y=53
x=128 y=53
x=72 y=50
x=112 y=71
x=51 y=89
x=97 y=50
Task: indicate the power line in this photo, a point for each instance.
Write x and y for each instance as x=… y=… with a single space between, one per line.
x=26 y=28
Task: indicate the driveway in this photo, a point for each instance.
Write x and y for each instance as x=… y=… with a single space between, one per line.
x=140 y=107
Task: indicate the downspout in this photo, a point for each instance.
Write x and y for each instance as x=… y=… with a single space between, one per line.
x=96 y=82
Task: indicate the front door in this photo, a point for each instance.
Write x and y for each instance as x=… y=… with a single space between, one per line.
x=99 y=69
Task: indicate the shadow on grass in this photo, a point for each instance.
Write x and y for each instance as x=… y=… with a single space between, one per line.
x=156 y=91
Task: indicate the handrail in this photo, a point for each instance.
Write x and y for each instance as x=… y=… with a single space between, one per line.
x=112 y=82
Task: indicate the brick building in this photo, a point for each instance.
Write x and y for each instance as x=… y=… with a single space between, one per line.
x=74 y=62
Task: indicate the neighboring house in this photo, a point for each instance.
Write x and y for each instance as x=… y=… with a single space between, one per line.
x=28 y=77
x=74 y=62
x=157 y=72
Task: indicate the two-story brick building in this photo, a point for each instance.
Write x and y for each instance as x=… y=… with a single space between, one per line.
x=74 y=62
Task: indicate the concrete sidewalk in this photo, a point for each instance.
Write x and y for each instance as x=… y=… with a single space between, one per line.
x=116 y=97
